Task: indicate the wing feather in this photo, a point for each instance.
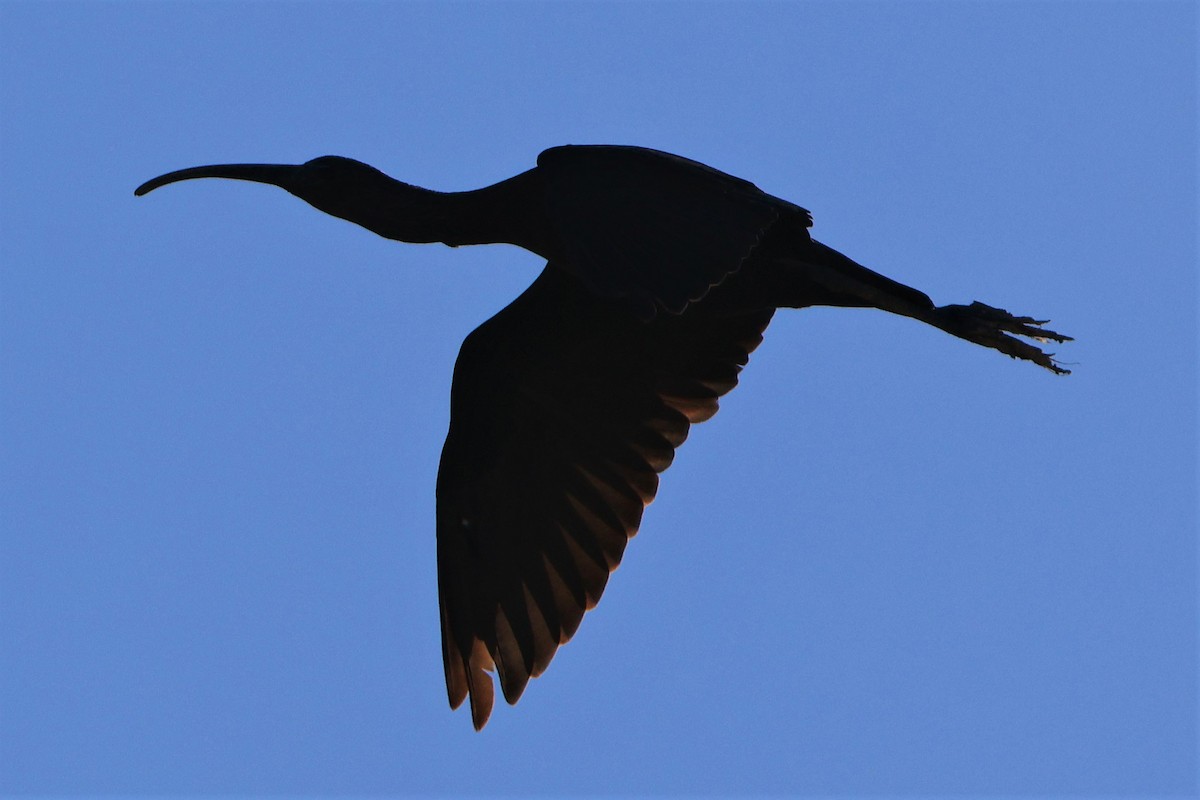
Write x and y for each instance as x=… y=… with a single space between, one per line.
x=564 y=410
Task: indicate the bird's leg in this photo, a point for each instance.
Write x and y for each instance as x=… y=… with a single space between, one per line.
x=838 y=281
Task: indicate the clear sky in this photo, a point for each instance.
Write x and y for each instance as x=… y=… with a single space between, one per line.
x=895 y=563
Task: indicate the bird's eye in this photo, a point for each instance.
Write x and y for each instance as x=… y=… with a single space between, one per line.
x=320 y=174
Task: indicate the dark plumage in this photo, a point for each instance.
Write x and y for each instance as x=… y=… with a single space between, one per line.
x=662 y=275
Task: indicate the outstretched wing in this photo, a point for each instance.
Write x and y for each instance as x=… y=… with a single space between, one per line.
x=653 y=229
x=564 y=409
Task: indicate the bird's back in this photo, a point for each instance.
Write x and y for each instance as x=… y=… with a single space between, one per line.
x=652 y=228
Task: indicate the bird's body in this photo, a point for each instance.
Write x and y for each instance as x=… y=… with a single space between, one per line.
x=661 y=276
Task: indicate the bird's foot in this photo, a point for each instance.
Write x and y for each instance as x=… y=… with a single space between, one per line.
x=991 y=327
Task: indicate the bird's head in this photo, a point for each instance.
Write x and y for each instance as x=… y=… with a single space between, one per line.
x=336 y=185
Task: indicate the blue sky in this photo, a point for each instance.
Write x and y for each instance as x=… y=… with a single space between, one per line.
x=895 y=563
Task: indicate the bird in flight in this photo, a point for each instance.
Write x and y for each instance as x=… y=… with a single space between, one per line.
x=661 y=277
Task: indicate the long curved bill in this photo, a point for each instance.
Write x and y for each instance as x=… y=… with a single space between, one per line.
x=275 y=174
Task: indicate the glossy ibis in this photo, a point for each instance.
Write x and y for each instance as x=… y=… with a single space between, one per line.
x=661 y=276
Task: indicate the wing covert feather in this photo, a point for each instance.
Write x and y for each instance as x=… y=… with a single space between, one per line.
x=655 y=230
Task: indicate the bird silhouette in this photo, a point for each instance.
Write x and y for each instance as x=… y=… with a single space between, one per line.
x=661 y=277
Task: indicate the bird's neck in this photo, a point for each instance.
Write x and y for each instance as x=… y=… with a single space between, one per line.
x=509 y=212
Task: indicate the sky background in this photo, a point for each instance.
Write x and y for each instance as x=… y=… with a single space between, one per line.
x=895 y=563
